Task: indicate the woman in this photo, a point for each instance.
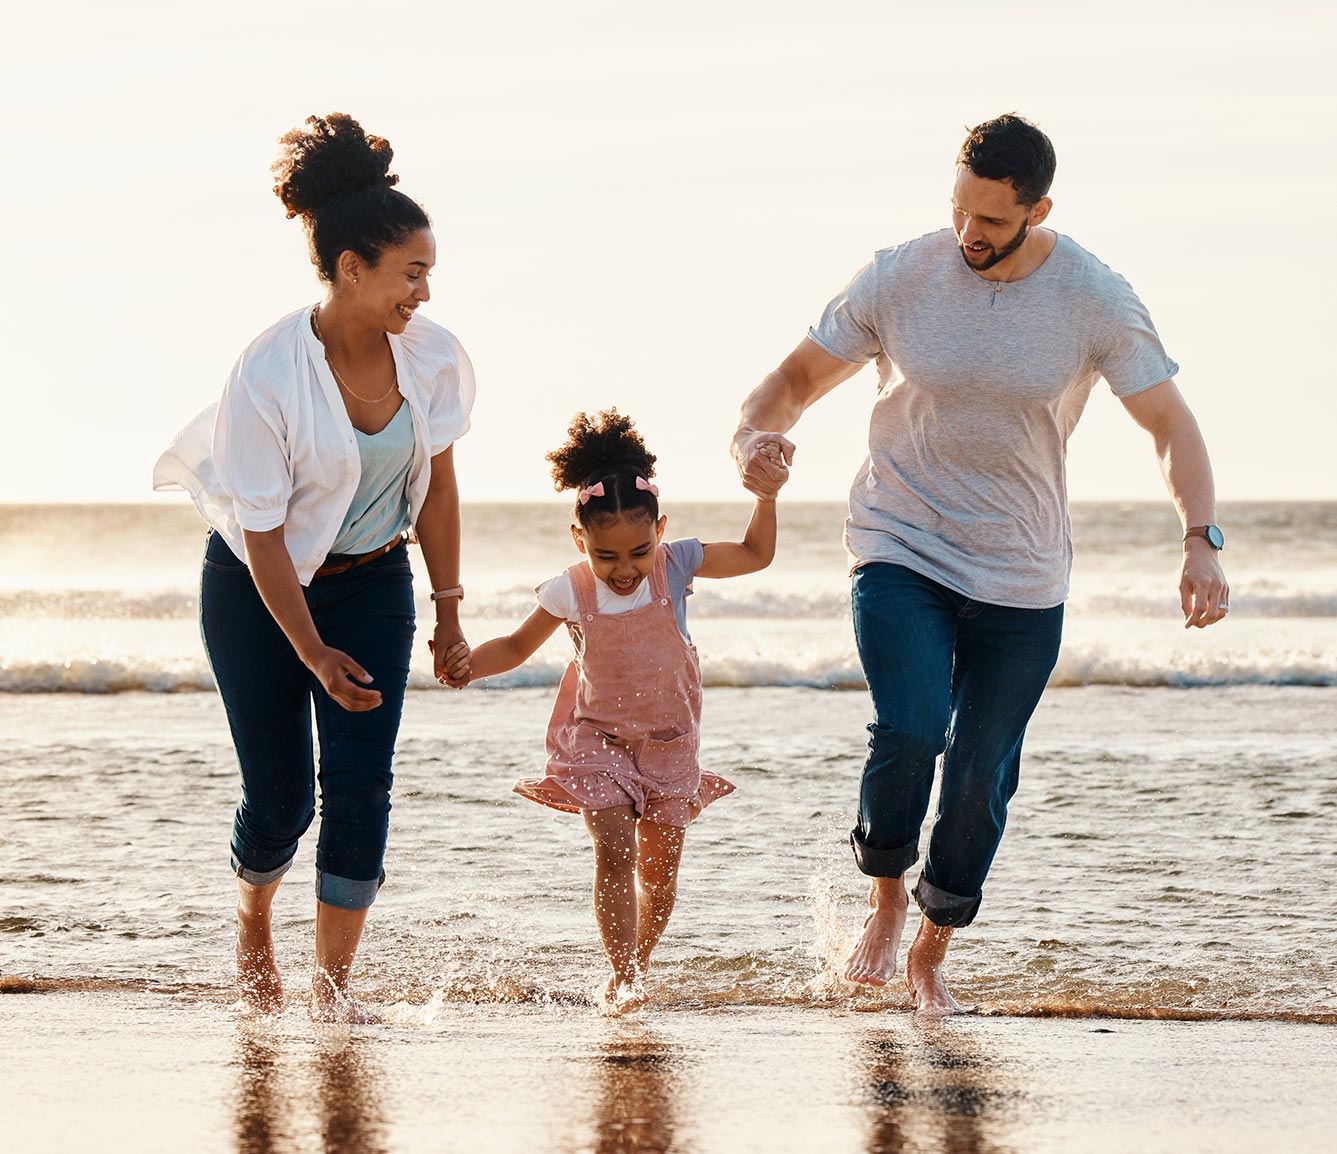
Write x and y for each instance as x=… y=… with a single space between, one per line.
x=332 y=441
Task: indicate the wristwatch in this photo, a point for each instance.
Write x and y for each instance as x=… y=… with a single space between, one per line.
x=1215 y=538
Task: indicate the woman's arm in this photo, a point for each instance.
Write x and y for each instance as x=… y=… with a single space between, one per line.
x=438 y=530
x=276 y=579
x=503 y=653
x=754 y=552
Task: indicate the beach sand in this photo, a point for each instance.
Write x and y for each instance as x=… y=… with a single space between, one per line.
x=129 y=1072
x=1154 y=957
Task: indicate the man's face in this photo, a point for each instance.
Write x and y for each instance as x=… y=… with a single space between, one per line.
x=989 y=223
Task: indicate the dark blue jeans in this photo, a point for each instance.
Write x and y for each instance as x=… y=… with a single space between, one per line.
x=270 y=697
x=952 y=677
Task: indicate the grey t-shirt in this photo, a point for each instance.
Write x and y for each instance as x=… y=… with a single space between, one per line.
x=980 y=386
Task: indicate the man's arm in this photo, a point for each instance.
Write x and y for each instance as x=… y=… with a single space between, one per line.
x=1204 y=594
x=775 y=406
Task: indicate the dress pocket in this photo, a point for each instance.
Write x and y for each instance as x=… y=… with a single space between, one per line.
x=668 y=758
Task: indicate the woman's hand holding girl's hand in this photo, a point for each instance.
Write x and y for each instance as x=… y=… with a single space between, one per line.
x=450 y=656
x=343 y=679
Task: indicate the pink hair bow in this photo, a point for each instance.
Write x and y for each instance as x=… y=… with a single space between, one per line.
x=642 y=483
x=595 y=490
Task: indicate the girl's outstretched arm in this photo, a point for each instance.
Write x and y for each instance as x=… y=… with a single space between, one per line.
x=754 y=552
x=503 y=653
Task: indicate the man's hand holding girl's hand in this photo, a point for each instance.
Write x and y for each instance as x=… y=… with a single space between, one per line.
x=763 y=459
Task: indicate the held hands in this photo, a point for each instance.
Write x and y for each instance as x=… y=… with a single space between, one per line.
x=343 y=679
x=763 y=459
x=1204 y=594
x=450 y=656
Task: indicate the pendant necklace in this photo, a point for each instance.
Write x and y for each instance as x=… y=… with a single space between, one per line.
x=394 y=383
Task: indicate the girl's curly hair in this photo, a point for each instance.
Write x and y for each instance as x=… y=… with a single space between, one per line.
x=338 y=180
x=605 y=449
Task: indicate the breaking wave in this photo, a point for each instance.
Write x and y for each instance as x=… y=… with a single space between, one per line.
x=1077 y=666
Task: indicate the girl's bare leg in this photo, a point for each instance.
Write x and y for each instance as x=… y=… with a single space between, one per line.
x=613 y=832
x=338 y=932
x=658 y=852
x=258 y=981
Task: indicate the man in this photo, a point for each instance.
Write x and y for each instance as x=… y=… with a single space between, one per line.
x=988 y=338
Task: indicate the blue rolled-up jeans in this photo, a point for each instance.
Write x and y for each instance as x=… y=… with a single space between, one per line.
x=949 y=677
x=270 y=698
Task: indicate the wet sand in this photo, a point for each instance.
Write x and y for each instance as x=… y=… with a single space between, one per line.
x=139 y=1072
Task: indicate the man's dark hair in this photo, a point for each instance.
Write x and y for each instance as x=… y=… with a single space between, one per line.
x=1010 y=147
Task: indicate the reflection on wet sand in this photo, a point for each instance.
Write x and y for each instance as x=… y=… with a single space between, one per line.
x=930 y=1089
x=635 y=1077
x=276 y=1098
x=259 y=1116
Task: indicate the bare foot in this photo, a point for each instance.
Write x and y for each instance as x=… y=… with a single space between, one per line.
x=872 y=962
x=622 y=997
x=258 y=982
x=923 y=973
x=342 y=1009
x=329 y=1003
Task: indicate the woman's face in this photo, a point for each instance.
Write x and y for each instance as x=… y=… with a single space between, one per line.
x=388 y=292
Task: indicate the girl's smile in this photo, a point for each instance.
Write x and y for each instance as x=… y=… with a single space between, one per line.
x=621 y=551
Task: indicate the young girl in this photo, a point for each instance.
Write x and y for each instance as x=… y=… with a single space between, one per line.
x=623 y=737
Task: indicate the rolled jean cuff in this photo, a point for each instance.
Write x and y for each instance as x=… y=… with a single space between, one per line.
x=257 y=877
x=883 y=863
x=347 y=893
x=944 y=909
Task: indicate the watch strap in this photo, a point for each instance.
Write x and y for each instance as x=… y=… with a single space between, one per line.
x=1210 y=533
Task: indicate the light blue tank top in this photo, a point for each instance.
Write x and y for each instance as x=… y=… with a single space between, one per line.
x=380 y=507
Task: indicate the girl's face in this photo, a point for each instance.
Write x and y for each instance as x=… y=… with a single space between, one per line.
x=621 y=552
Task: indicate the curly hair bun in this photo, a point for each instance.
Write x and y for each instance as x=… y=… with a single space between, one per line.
x=602 y=444
x=329 y=156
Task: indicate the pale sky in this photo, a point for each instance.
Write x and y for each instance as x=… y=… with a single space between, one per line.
x=646 y=205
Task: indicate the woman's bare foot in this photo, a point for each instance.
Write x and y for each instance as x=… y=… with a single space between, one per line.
x=923 y=973
x=872 y=962
x=329 y=1003
x=338 y=932
x=258 y=982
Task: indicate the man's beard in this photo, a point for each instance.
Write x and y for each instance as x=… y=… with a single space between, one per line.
x=997 y=254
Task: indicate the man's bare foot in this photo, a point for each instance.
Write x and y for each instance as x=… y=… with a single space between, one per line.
x=923 y=973
x=331 y=1004
x=872 y=962
x=258 y=982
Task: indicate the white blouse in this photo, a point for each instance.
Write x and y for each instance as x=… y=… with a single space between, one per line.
x=279 y=449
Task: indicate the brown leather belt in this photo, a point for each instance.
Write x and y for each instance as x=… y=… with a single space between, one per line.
x=356 y=559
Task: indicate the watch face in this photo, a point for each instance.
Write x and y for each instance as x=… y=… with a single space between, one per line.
x=1215 y=538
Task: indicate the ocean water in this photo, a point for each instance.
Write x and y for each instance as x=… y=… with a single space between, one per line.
x=1169 y=854
x=103 y=598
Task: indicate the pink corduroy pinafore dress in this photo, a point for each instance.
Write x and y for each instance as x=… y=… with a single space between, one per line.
x=625 y=728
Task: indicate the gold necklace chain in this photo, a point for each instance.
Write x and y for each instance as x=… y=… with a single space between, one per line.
x=394 y=383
